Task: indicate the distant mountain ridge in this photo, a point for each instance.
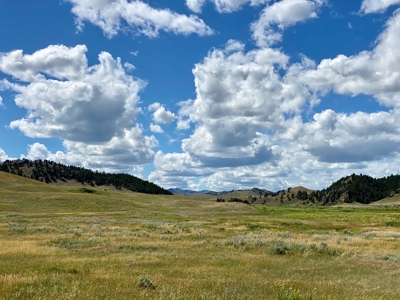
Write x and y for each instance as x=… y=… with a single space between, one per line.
x=49 y=172
x=178 y=191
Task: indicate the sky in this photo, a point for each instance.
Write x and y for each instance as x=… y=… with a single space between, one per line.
x=204 y=94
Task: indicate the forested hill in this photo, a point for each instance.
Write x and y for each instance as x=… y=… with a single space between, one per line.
x=360 y=188
x=48 y=171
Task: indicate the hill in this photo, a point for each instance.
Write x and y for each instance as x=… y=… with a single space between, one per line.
x=51 y=172
x=290 y=197
x=360 y=188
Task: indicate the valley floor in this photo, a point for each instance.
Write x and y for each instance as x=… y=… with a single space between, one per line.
x=60 y=243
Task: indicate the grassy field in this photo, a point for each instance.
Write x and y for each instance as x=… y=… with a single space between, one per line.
x=70 y=243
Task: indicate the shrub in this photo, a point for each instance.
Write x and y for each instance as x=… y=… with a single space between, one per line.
x=86 y=190
x=281 y=248
x=369 y=234
x=347 y=231
x=145 y=282
x=324 y=249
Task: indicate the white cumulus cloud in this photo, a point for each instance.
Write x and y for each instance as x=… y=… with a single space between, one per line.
x=267 y=30
x=348 y=138
x=4 y=156
x=55 y=60
x=374 y=73
x=249 y=124
x=156 y=128
x=376 y=6
x=240 y=98
x=140 y=17
x=70 y=100
x=222 y=6
x=91 y=108
x=160 y=114
x=120 y=154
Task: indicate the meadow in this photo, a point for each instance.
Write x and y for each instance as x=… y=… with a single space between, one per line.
x=73 y=242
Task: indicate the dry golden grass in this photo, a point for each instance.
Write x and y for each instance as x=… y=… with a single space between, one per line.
x=58 y=243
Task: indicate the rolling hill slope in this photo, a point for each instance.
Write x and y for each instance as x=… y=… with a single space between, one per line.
x=51 y=172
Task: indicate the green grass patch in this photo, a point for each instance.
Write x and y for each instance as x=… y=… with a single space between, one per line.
x=392 y=224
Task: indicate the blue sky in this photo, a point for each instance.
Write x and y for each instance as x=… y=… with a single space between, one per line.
x=204 y=94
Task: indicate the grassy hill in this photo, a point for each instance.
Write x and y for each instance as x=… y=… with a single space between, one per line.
x=13 y=183
x=51 y=172
x=289 y=197
x=18 y=193
x=393 y=201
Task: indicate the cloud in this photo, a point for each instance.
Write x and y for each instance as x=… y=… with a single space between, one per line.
x=140 y=18
x=240 y=98
x=129 y=67
x=260 y=155
x=372 y=73
x=250 y=126
x=134 y=53
x=156 y=128
x=377 y=6
x=68 y=100
x=161 y=115
x=195 y=5
x=1 y=101
x=4 y=156
x=359 y=137
x=38 y=151
x=91 y=108
x=295 y=167
x=226 y=125
x=120 y=154
x=55 y=61
x=267 y=30
x=222 y=6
